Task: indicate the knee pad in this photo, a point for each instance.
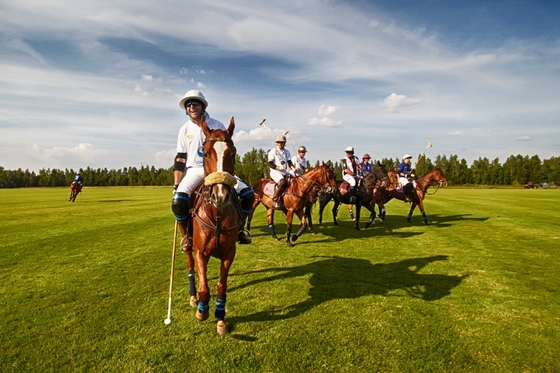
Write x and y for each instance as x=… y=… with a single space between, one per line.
x=247 y=198
x=180 y=206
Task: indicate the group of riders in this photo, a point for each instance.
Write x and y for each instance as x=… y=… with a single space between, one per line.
x=189 y=172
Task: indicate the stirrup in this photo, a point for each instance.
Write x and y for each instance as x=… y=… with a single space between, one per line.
x=186 y=244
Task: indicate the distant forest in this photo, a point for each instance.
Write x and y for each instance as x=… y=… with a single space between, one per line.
x=516 y=170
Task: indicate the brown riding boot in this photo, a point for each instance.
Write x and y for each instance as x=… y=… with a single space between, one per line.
x=186 y=241
x=277 y=197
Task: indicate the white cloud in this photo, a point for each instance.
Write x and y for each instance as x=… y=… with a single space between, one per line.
x=523 y=138
x=323 y=122
x=84 y=151
x=456 y=133
x=395 y=101
x=327 y=110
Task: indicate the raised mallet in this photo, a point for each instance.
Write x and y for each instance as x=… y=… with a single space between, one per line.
x=167 y=321
x=422 y=155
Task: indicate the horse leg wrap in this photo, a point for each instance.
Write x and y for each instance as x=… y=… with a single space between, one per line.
x=220 y=312
x=192 y=287
x=203 y=306
x=272 y=230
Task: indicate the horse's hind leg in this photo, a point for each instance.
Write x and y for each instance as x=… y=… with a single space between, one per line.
x=256 y=203
x=308 y=213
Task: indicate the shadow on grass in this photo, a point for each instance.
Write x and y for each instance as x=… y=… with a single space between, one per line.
x=347 y=278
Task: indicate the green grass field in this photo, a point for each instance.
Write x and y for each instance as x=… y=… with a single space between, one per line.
x=84 y=288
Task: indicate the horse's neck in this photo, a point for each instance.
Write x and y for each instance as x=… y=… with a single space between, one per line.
x=425 y=181
x=305 y=182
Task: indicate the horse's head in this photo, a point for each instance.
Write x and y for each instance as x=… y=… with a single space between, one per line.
x=380 y=174
x=438 y=177
x=393 y=177
x=330 y=179
x=219 y=159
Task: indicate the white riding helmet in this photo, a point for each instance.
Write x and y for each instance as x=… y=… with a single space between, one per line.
x=406 y=156
x=350 y=149
x=193 y=94
x=280 y=138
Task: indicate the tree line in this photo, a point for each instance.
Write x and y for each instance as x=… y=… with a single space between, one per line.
x=516 y=170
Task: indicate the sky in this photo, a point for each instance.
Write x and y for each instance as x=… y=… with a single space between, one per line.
x=97 y=83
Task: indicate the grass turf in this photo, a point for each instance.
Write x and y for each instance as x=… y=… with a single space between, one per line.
x=84 y=288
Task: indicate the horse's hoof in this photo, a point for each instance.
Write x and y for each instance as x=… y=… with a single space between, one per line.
x=294 y=237
x=193 y=302
x=222 y=328
x=426 y=222
x=289 y=244
x=201 y=316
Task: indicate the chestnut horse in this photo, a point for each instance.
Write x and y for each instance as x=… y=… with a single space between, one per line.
x=372 y=186
x=422 y=185
x=75 y=189
x=216 y=218
x=297 y=196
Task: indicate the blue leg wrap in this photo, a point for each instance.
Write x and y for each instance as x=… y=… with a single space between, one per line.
x=220 y=307
x=192 y=287
x=203 y=306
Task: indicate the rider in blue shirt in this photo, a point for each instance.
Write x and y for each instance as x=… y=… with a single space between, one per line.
x=406 y=177
x=78 y=179
x=366 y=166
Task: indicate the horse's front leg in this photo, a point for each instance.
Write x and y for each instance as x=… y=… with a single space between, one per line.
x=424 y=216
x=221 y=288
x=203 y=310
x=335 y=212
x=289 y=219
x=192 y=283
x=303 y=218
x=270 y=221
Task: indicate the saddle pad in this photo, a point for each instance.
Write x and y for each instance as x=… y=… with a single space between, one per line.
x=269 y=188
x=344 y=187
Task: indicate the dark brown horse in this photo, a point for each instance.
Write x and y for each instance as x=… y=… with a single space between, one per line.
x=371 y=187
x=217 y=217
x=295 y=199
x=75 y=189
x=422 y=185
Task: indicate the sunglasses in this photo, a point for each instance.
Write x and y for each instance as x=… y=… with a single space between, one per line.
x=189 y=104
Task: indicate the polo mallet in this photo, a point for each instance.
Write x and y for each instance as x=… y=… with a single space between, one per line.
x=167 y=321
x=267 y=131
x=269 y=135
x=291 y=143
x=422 y=155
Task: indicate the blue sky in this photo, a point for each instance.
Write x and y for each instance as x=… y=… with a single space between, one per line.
x=97 y=83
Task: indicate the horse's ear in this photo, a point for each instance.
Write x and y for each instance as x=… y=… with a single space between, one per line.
x=231 y=127
x=204 y=126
